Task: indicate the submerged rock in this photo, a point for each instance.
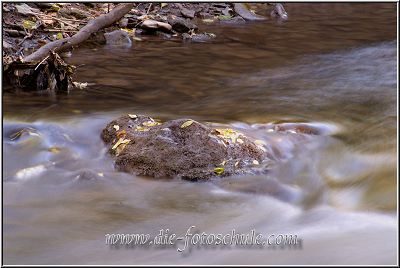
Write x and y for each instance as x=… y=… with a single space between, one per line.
x=118 y=38
x=180 y=148
x=203 y=37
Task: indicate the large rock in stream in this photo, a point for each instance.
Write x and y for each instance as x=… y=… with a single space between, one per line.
x=180 y=148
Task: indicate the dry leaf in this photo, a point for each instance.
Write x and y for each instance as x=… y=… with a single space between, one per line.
x=121 y=134
x=119 y=142
x=229 y=134
x=132 y=116
x=187 y=123
x=140 y=128
x=28 y=24
x=55 y=7
x=219 y=170
x=116 y=127
x=119 y=149
x=129 y=31
x=150 y=124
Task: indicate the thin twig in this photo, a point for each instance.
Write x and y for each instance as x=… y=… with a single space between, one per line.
x=59 y=30
x=23 y=40
x=52 y=17
x=60 y=20
x=148 y=10
x=41 y=62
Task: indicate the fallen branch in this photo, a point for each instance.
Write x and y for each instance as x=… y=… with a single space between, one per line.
x=83 y=34
x=245 y=13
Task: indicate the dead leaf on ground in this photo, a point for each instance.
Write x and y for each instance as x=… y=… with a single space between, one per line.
x=29 y=25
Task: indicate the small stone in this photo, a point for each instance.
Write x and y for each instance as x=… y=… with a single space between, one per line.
x=7 y=45
x=181 y=25
x=156 y=25
x=24 y=9
x=123 y=23
x=187 y=13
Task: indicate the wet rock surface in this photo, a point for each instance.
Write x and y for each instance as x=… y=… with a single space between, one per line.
x=117 y=37
x=180 y=148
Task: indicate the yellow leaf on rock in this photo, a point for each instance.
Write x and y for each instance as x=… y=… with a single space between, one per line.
x=121 y=134
x=120 y=149
x=150 y=124
x=229 y=134
x=219 y=170
x=140 y=128
x=59 y=36
x=187 y=123
x=119 y=142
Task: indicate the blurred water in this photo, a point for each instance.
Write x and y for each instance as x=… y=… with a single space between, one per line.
x=332 y=66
